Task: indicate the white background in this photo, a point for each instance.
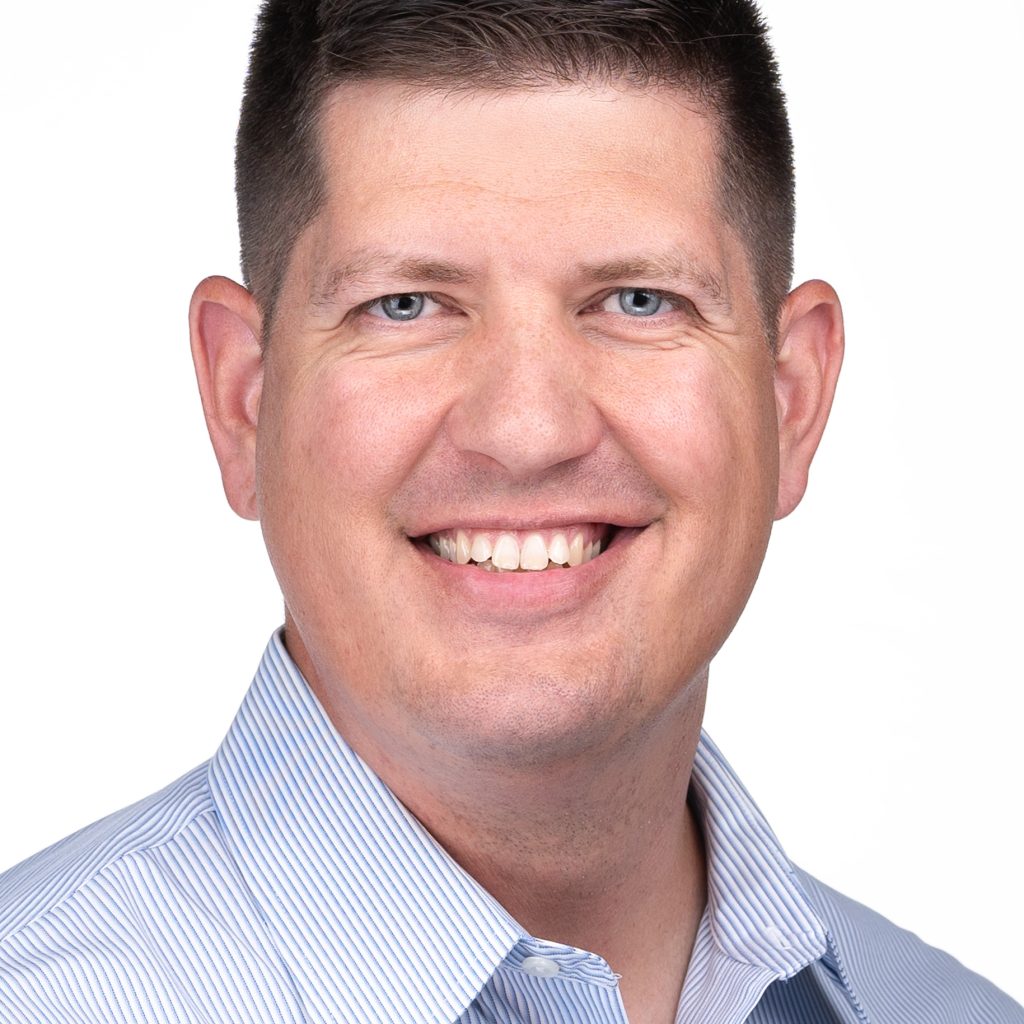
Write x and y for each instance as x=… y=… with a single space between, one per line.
x=871 y=697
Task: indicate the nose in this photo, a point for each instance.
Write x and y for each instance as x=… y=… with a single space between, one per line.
x=526 y=399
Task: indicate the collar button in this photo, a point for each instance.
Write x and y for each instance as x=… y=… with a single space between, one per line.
x=540 y=967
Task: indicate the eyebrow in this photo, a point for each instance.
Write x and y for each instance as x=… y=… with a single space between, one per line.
x=396 y=268
x=674 y=265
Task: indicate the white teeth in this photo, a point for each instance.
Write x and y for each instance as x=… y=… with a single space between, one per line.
x=576 y=550
x=506 y=552
x=558 y=550
x=481 y=549
x=534 y=553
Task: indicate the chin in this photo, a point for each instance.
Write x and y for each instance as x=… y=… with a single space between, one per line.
x=525 y=716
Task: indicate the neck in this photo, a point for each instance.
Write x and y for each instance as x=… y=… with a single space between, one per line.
x=573 y=851
x=599 y=851
x=615 y=867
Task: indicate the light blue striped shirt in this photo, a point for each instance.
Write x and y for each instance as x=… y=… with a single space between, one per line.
x=283 y=882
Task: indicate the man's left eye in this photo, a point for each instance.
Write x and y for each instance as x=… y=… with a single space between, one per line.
x=636 y=302
x=402 y=306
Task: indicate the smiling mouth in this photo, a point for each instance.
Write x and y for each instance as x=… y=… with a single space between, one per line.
x=522 y=550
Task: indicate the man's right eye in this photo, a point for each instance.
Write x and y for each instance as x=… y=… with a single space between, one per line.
x=403 y=306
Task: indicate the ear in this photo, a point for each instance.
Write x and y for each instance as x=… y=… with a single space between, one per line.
x=810 y=352
x=225 y=326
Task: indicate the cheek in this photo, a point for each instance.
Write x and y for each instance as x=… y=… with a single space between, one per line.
x=353 y=431
x=703 y=429
x=335 y=442
x=701 y=426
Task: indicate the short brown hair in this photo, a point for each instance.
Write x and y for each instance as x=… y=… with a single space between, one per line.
x=715 y=50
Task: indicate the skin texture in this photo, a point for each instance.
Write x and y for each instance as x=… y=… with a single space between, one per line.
x=542 y=726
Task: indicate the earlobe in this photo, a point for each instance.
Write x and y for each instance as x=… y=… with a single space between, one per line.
x=225 y=326
x=809 y=355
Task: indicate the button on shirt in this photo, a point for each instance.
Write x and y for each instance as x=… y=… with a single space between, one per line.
x=282 y=882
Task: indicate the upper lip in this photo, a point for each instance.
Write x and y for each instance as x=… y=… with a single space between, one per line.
x=525 y=521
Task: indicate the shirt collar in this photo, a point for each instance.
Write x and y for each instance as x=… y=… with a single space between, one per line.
x=759 y=913
x=375 y=920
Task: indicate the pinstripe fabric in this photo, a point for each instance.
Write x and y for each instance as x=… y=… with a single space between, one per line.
x=283 y=883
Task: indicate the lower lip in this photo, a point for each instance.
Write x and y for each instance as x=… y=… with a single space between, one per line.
x=544 y=591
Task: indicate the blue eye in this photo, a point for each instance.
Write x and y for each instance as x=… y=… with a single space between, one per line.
x=639 y=301
x=405 y=306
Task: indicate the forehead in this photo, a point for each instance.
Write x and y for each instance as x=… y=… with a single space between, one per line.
x=554 y=140
x=546 y=176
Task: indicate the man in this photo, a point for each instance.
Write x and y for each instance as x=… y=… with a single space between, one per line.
x=515 y=390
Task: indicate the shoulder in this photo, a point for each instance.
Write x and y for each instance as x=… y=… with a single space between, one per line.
x=140 y=916
x=896 y=976
x=39 y=885
x=77 y=919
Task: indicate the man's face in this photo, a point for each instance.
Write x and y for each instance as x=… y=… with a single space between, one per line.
x=519 y=319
